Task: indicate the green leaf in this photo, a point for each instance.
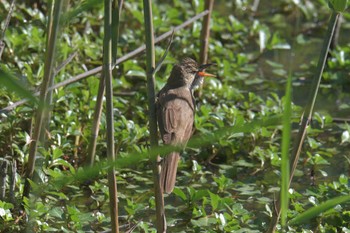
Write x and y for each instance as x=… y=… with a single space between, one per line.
x=135 y=73
x=5 y=211
x=6 y=205
x=62 y=196
x=178 y=192
x=57 y=212
x=214 y=200
x=56 y=153
x=338 y=5
x=203 y=222
x=199 y=195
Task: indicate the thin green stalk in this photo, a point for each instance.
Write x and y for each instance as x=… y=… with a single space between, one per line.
x=48 y=70
x=107 y=73
x=161 y=60
x=47 y=111
x=96 y=123
x=48 y=101
x=205 y=33
x=7 y=21
x=116 y=11
x=4 y=164
x=150 y=59
x=99 y=100
x=313 y=93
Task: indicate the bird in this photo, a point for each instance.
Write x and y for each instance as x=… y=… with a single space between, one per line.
x=175 y=110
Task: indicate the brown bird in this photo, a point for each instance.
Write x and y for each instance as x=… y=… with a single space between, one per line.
x=175 y=113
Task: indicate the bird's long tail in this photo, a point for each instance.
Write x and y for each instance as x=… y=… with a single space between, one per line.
x=168 y=171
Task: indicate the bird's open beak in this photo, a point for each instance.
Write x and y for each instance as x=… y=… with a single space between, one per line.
x=204 y=74
x=202 y=68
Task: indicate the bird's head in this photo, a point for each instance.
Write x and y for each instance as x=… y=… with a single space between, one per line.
x=187 y=72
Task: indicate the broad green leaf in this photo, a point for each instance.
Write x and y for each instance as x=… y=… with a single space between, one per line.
x=178 y=192
x=214 y=200
x=338 y=5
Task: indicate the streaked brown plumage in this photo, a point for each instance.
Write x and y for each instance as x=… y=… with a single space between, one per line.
x=175 y=113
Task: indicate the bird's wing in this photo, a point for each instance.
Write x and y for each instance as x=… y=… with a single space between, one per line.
x=176 y=116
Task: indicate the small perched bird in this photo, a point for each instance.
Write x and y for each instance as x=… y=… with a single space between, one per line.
x=175 y=114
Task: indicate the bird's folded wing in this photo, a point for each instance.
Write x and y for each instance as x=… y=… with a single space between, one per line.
x=170 y=122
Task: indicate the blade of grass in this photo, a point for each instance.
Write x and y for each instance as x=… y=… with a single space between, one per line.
x=317 y=210
x=285 y=151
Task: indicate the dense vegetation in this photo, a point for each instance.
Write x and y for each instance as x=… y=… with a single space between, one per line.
x=229 y=185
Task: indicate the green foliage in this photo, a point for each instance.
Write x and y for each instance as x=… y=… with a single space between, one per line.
x=5 y=211
x=229 y=177
x=338 y=5
x=8 y=81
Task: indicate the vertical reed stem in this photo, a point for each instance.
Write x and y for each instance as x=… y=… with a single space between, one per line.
x=2 y=34
x=107 y=73
x=48 y=71
x=150 y=57
x=101 y=89
x=205 y=33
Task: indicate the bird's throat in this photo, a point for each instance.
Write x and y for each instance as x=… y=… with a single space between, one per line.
x=196 y=83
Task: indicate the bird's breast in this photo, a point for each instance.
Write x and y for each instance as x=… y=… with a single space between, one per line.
x=179 y=98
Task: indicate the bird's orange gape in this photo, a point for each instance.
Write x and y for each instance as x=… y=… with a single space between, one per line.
x=204 y=74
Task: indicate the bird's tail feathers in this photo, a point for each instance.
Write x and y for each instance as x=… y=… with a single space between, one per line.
x=168 y=171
